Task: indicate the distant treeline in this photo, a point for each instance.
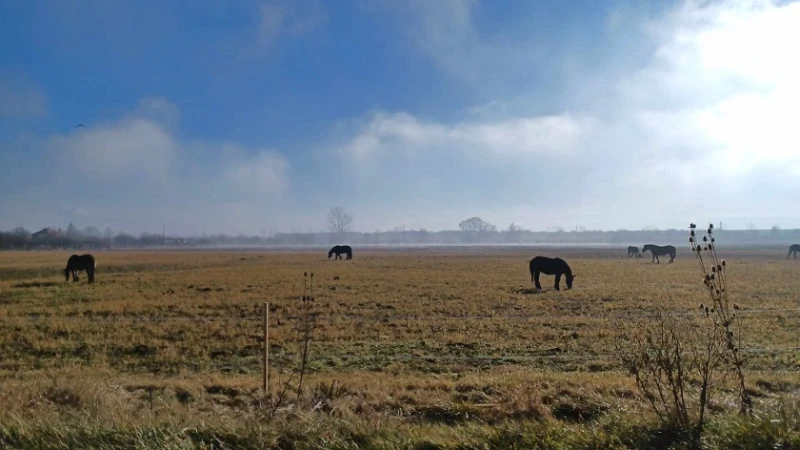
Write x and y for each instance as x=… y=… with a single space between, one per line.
x=91 y=238
x=454 y=237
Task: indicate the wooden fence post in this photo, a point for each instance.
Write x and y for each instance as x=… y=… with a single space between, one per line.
x=266 y=349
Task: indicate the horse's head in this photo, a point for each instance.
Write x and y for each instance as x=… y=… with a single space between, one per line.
x=569 y=280
x=330 y=253
x=66 y=274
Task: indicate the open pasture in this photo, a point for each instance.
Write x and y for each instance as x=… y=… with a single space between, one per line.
x=428 y=336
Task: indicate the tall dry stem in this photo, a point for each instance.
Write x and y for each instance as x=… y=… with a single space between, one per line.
x=721 y=311
x=307 y=324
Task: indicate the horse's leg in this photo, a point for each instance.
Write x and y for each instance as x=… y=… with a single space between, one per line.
x=536 y=280
x=90 y=273
x=558 y=280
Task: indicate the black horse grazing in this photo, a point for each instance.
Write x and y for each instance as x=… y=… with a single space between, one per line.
x=77 y=263
x=339 y=249
x=794 y=248
x=657 y=251
x=550 y=266
x=634 y=251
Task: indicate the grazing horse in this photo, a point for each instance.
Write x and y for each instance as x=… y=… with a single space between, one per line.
x=339 y=249
x=794 y=248
x=550 y=266
x=634 y=251
x=657 y=251
x=77 y=263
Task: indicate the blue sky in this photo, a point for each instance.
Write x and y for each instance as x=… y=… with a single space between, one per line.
x=258 y=116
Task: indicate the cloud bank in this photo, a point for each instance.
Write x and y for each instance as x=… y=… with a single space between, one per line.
x=688 y=116
x=702 y=129
x=136 y=171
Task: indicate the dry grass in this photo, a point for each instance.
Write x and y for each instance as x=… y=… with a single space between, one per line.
x=408 y=337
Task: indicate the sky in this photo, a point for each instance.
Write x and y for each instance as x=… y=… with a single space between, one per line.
x=259 y=116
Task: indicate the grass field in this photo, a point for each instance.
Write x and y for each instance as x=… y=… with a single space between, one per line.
x=411 y=348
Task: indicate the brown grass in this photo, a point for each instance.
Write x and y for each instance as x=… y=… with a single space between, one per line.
x=411 y=337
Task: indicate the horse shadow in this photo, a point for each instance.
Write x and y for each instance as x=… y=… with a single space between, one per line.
x=35 y=284
x=529 y=291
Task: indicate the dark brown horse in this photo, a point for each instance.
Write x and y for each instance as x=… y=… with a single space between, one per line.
x=634 y=251
x=339 y=249
x=77 y=263
x=794 y=248
x=657 y=251
x=550 y=266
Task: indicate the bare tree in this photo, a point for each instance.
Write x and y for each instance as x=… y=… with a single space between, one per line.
x=339 y=220
x=474 y=229
x=476 y=224
x=514 y=228
x=514 y=232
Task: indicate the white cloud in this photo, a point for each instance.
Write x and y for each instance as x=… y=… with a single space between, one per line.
x=271 y=25
x=725 y=72
x=385 y=135
x=710 y=114
x=296 y=18
x=131 y=147
x=134 y=172
x=143 y=147
x=266 y=173
x=158 y=109
x=445 y=32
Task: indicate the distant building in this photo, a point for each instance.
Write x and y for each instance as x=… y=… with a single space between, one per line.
x=46 y=233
